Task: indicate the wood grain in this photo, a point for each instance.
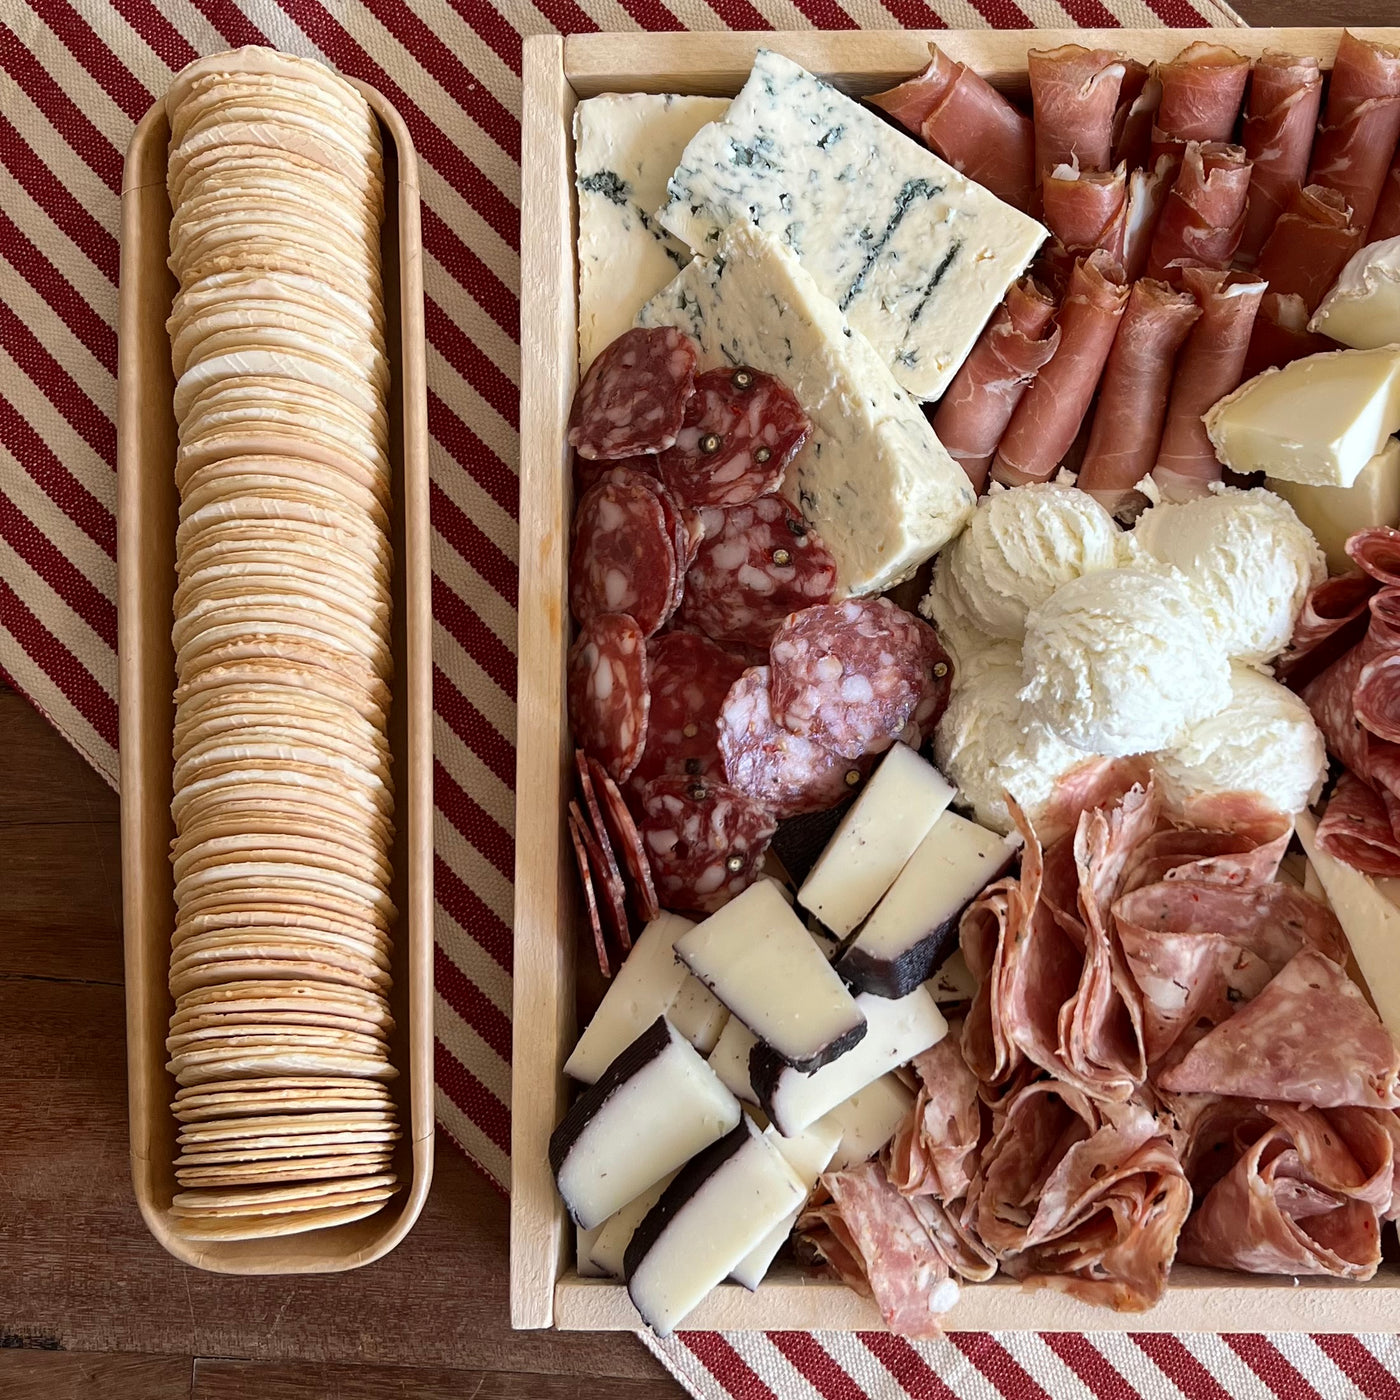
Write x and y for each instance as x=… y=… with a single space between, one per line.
x=57 y=1375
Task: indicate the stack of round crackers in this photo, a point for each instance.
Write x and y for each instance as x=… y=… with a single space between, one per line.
x=283 y=795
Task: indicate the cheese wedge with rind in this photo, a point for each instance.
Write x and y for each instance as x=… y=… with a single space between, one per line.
x=1363 y=307
x=1334 y=513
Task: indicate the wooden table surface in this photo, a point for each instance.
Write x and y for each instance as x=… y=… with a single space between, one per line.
x=90 y=1305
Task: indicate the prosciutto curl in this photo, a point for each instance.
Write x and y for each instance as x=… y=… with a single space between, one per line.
x=1280 y=334
x=1309 y=246
x=1210 y=365
x=1386 y=223
x=1017 y=342
x=1133 y=397
x=1074 y=98
x=1203 y=216
x=1202 y=88
x=1138 y=99
x=1360 y=125
x=1285 y=96
x=970 y=124
x=1087 y=209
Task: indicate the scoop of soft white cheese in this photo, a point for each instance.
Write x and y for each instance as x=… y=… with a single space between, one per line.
x=1118 y=662
x=1250 y=560
x=1363 y=308
x=1021 y=545
x=988 y=743
x=945 y=607
x=1264 y=741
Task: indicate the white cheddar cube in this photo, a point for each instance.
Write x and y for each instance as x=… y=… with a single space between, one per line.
x=1363 y=309
x=1333 y=513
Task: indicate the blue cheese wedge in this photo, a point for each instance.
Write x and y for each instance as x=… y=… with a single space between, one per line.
x=872 y=479
x=625 y=147
x=913 y=253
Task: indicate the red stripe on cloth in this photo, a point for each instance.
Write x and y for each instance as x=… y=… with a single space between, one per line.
x=491 y=26
x=471 y=1003
x=42 y=555
x=1359 y=1365
x=469 y=272
x=1270 y=1365
x=739 y=14
x=1179 y=1366
x=567 y=17
x=914 y=14
x=905 y=1364
x=62 y=112
x=61 y=296
x=469 y=452
x=817 y=1365
x=162 y=38
x=719 y=1358
x=474 y=637
x=82 y=41
x=235 y=28
x=466 y=537
x=480 y=1105
x=1003 y=14
x=60 y=388
x=477 y=921
x=998 y=1365
x=1091 y=14
x=59 y=664
x=55 y=480
x=448 y=159
x=1178 y=14
x=826 y=14
x=473 y=728
x=460 y=84
x=471 y=362
x=43 y=187
x=476 y=825
x=1090 y=1365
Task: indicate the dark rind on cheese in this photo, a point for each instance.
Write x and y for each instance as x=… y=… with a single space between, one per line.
x=688 y=1181
x=766 y=1070
x=798 y=841
x=640 y=1053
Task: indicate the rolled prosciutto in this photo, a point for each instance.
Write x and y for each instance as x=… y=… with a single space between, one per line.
x=1202 y=88
x=1147 y=193
x=1386 y=223
x=1285 y=95
x=1138 y=99
x=974 y=411
x=1281 y=335
x=970 y=124
x=1133 y=397
x=1049 y=414
x=1203 y=216
x=1309 y=245
x=1210 y=366
x=1360 y=125
x=1074 y=98
x=1087 y=209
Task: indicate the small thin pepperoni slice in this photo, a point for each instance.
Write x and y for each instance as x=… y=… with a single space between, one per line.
x=625 y=839
x=608 y=694
x=600 y=848
x=632 y=400
x=585 y=875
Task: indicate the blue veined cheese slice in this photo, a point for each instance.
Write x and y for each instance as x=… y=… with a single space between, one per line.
x=873 y=478
x=913 y=253
x=625 y=147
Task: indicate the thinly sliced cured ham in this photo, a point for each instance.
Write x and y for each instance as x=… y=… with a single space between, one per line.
x=1074 y=98
x=970 y=124
x=1281 y=334
x=1048 y=416
x=1285 y=95
x=1148 y=188
x=1139 y=96
x=1202 y=88
x=934 y=1150
x=1209 y=366
x=1386 y=222
x=1360 y=125
x=1309 y=245
x=1356 y=828
x=1203 y=215
x=1016 y=343
x=1309 y=1037
x=1087 y=209
x=1137 y=379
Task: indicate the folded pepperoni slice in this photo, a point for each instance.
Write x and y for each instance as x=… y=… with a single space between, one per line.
x=585 y=875
x=608 y=695
x=626 y=840
x=633 y=398
x=624 y=553
x=742 y=427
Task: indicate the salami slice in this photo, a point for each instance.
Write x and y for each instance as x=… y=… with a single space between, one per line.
x=682 y=525
x=849 y=674
x=588 y=474
x=590 y=900
x=632 y=400
x=624 y=837
x=1376 y=551
x=705 y=841
x=742 y=427
x=608 y=695
x=757 y=564
x=607 y=884
x=600 y=847
x=938 y=686
x=1356 y=828
x=624 y=554
x=690 y=676
x=786 y=773
x=1333 y=620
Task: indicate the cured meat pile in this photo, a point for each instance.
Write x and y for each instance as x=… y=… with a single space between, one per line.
x=1198 y=211
x=1164 y=1058
x=714 y=688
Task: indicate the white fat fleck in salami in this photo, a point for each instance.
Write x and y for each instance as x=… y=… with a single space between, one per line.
x=849 y=674
x=757 y=564
x=608 y=694
x=632 y=400
x=705 y=841
x=786 y=773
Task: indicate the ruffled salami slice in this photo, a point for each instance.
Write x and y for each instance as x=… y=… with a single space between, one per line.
x=786 y=773
x=758 y=563
x=590 y=899
x=608 y=695
x=849 y=674
x=600 y=847
x=625 y=838
x=1376 y=551
x=607 y=883
x=742 y=427
x=705 y=841
x=1356 y=828
x=1334 y=618
x=624 y=554
x=632 y=400
x=690 y=675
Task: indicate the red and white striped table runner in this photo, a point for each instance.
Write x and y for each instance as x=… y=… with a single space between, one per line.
x=75 y=76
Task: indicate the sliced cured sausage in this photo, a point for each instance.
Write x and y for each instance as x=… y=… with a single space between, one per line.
x=632 y=400
x=607 y=883
x=1376 y=551
x=1356 y=828
x=590 y=899
x=1334 y=618
x=757 y=564
x=625 y=838
x=938 y=687
x=587 y=473
x=600 y=846
x=742 y=427
x=934 y=1151
x=607 y=692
